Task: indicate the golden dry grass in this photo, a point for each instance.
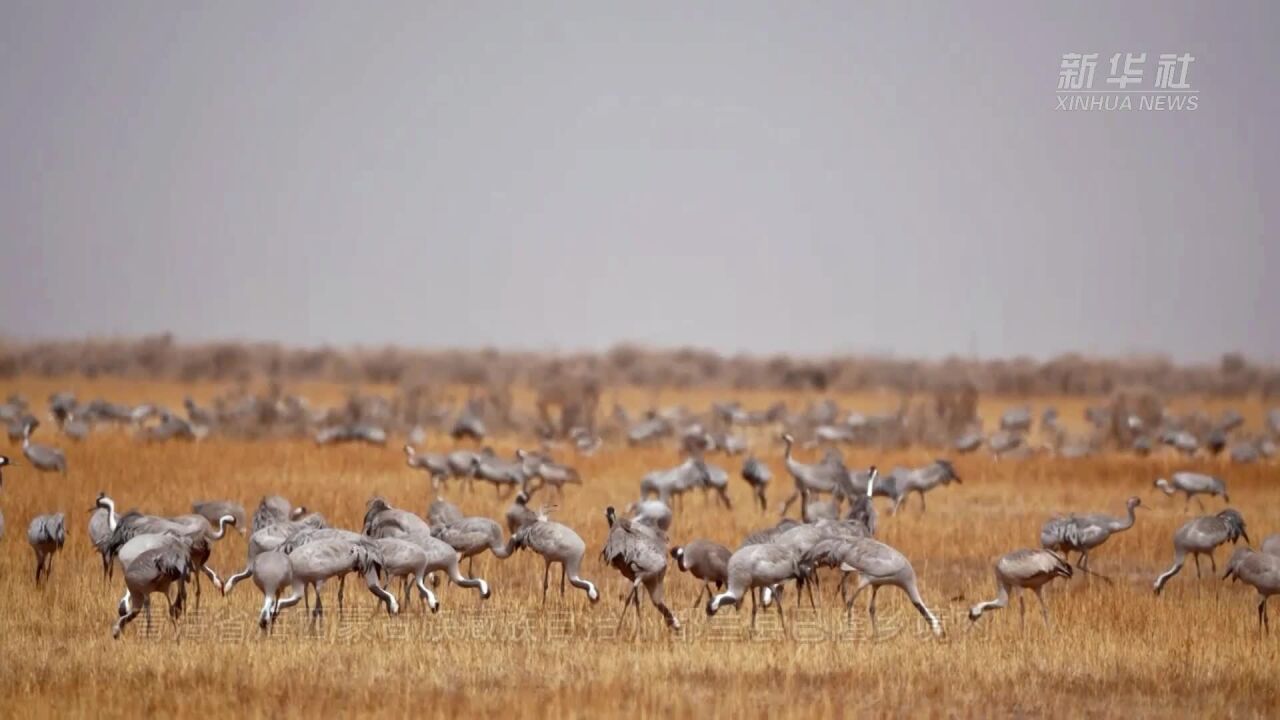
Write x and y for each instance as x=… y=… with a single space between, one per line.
x=1113 y=649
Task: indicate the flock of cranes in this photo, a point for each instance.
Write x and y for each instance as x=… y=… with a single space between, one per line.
x=293 y=552
x=725 y=428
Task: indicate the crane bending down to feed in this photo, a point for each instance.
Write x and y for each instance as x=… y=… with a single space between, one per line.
x=876 y=565
x=705 y=560
x=47 y=534
x=271 y=573
x=153 y=572
x=556 y=543
x=1201 y=536
x=1193 y=484
x=765 y=566
x=314 y=563
x=1021 y=570
x=1262 y=571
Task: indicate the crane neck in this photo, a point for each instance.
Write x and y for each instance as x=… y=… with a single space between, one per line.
x=222 y=526
x=112 y=519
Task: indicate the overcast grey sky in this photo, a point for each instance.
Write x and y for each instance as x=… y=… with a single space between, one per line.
x=809 y=177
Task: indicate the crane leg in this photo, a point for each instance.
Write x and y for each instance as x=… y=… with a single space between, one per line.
x=753 y=609
x=546 y=572
x=1196 y=557
x=1044 y=609
x=1263 y=623
x=871 y=611
x=563 y=572
x=848 y=606
x=632 y=595
x=786 y=505
x=1022 y=607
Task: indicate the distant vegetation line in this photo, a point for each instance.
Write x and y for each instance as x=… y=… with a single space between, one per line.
x=163 y=357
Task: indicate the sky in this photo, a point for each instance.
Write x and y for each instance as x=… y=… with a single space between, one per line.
x=810 y=178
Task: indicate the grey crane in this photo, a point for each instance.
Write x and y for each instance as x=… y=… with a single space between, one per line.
x=654 y=513
x=138 y=545
x=1004 y=442
x=805 y=536
x=863 y=510
x=1083 y=533
x=764 y=566
x=189 y=526
x=1262 y=571
x=502 y=474
x=315 y=562
x=404 y=559
x=717 y=479
x=547 y=472
x=308 y=535
x=436 y=466
x=707 y=561
x=666 y=484
x=876 y=565
x=47 y=534
x=1201 y=536
x=1192 y=484
x=43 y=457
x=270 y=536
x=757 y=475
x=1271 y=545
x=519 y=514
x=827 y=477
x=384 y=521
x=471 y=536
x=272 y=573
x=556 y=543
x=767 y=535
x=75 y=426
x=214 y=510
x=968 y=442
x=639 y=552
x=153 y=572
x=901 y=481
x=443 y=512
x=1016 y=420
x=274 y=509
x=184 y=525
x=462 y=465
x=102 y=523
x=814 y=510
x=1022 y=570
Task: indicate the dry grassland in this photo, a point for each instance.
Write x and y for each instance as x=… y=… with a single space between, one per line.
x=1113 y=650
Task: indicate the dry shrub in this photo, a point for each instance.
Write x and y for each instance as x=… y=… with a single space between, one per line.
x=161 y=357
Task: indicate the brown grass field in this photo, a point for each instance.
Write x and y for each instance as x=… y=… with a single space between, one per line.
x=1113 y=649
